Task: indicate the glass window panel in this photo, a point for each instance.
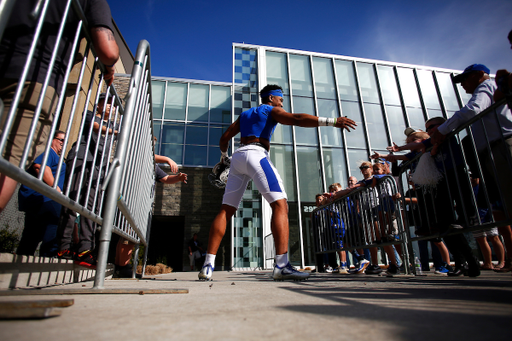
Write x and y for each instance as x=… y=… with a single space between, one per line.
x=157 y=97
x=173 y=132
x=463 y=94
x=330 y=136
x=157 y=128
x=277 y=72
x=376 y=127
x=335 y=166
x=215 y=134
x=195 y=155
x=434 y=113
x=220 y=108
x=416 y=118
x=428 y=90
x=197 y=134
x=346 y=78
x=282 y=159
x=176 y=101
x=408 y=87
x=444 y=81
x=305 y=135
x=213 y=155
x=324 y=78
x=356 y=157
x=198 y=102
x=294 y=251
x=310 y=181
x=367 y=82
x=354 y=138
x=388 y=85
x=172 y=150
x=283 y=133
x=396 y=124
x=300 y=74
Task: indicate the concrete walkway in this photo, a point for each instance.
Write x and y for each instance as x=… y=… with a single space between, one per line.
x=250 y=306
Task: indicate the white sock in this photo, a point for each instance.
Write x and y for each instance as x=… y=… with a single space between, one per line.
x=282 y=260
x=210 y=259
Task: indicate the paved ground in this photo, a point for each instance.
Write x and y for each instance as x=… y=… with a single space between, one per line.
x=250 y=306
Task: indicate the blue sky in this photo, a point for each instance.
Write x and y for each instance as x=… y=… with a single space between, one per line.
x=193 y=38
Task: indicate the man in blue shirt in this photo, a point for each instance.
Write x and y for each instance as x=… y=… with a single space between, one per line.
x=252 y=162
x=42 y=213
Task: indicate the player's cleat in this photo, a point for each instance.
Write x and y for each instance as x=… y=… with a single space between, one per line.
x=288 y=273
x=206 y=272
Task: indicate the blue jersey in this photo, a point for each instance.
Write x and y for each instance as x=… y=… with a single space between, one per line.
x=258 y=122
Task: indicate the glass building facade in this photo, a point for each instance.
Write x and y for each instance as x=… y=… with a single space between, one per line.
x=382 y=97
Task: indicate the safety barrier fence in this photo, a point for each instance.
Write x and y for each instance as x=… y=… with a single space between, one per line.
x=367 y=217
x=471 y=192
x=109 y=170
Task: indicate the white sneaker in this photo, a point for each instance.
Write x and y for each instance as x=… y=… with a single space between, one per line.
x=288 y=273
x=342 y=270
x=206 y=272
x=328 y=269
x=359 y=269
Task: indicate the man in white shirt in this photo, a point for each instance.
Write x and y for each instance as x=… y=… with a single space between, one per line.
x=493 y=139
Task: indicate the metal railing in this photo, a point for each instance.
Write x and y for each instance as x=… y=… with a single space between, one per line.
x=115 y=188
x=366 y=217
x=453 y=206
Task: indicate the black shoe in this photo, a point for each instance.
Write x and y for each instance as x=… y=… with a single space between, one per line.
x=86 y=259
x=393 y=270
x=373 y=270
x=458 y=270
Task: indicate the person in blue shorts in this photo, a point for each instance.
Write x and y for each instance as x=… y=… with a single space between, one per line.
x=251 y=161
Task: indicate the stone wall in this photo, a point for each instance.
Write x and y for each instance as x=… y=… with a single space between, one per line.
x=199 y=202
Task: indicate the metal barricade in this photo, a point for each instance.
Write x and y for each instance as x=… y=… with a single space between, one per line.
x=132 y=178
x=367 y=217
x=457 y=204
x=111 y=183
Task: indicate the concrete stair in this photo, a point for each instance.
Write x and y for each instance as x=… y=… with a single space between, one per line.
x=18 y=272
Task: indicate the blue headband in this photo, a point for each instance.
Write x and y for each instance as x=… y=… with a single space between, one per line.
x=276 y=92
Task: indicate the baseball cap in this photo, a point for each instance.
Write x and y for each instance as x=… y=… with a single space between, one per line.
x=474 y=67
x=103 y=95
x=409 y=130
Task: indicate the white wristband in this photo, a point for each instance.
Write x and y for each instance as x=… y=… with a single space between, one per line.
x=223 y=154
x=324 y=121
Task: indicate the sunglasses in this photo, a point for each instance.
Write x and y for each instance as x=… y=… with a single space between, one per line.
x=431 y=126
x=364 y=167
x=61 y=140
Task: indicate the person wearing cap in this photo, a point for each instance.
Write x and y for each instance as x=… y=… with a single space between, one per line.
x=494 y=130
x=252 y=162
x=85 y=164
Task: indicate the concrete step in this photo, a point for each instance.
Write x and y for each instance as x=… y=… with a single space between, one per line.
x=18 y=272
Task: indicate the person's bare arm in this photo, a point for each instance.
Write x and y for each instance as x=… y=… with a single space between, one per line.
x=417 y=146
x=306 y=120
x=169 y=161
x=107 y=50
x=47 y=176
x=172 y=179
x=96 y=128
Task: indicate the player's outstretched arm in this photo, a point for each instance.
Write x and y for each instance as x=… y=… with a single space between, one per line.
x=305 y=120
